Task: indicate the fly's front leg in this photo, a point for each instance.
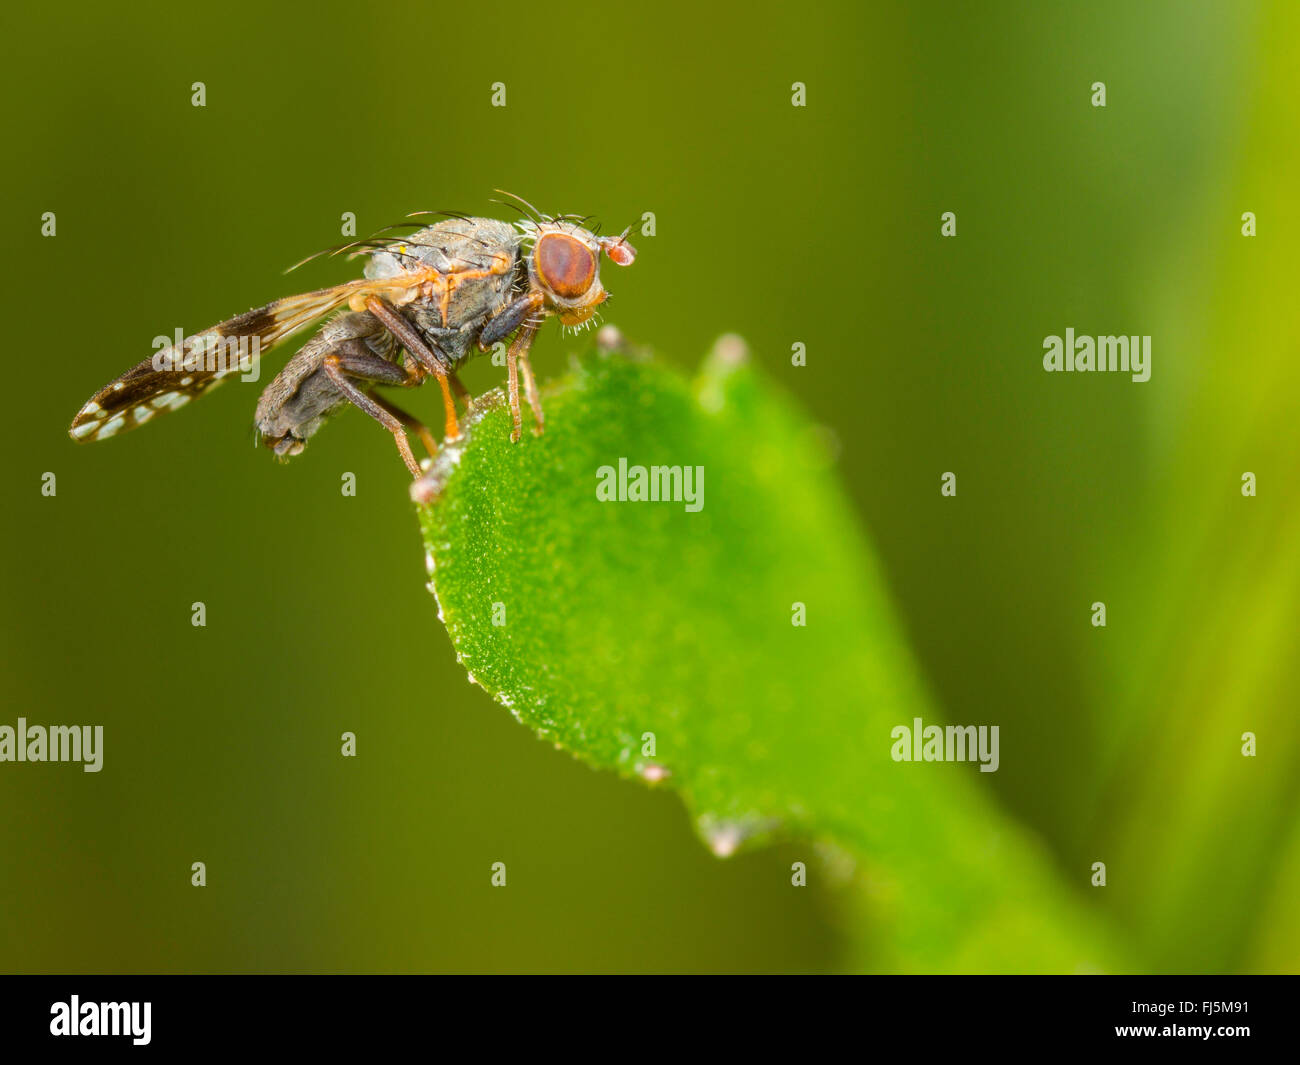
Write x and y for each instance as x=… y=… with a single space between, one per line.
x=342 y=368
x=420 y=352
x=518 y=350
x=521 y=315
x=534 y=397
x=509 y=318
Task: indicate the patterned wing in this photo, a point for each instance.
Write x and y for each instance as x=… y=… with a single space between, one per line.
x=171 y=378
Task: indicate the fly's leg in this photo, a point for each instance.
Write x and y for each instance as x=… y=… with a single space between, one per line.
x=420 y=352
x=521 y=315
x=518 y=350
x=512 y=377
x=369 y=367
x=462 y=392
x=342 y=368
x=409 y=420
x=508 y=319
x=534 y=397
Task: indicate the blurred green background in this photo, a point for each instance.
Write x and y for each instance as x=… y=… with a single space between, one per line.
x=817 y=225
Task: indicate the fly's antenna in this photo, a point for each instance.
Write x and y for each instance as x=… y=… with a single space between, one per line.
x=618 y=249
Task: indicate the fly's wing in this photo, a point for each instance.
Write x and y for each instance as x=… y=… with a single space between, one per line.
x=171 y=378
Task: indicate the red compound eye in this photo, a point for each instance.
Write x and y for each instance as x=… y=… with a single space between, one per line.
x=566 y=265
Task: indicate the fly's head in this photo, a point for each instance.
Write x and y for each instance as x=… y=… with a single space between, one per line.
x=564 y=264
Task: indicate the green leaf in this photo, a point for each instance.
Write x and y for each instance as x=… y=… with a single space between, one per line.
x=600 y=623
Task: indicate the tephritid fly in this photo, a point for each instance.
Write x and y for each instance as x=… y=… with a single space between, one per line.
x=428 y=303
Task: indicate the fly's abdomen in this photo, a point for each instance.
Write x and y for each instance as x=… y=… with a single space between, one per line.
x=301 y=396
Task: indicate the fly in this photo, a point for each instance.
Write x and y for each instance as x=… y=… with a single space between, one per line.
x=428 y=303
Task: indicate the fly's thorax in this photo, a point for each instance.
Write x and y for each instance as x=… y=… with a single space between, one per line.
x=459 y=244
x=469 y=271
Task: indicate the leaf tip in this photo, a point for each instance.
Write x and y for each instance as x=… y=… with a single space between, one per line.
x=429 y=486
x=730 y=351
x=730 y=354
